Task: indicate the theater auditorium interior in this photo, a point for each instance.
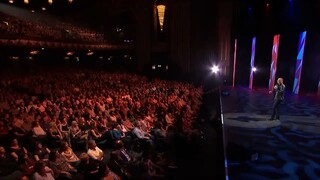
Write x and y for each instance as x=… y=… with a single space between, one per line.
x=159 y=89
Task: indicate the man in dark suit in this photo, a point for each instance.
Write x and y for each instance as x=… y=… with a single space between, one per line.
x=278 y=92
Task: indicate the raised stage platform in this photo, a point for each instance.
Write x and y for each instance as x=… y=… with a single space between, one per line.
x=288 y=148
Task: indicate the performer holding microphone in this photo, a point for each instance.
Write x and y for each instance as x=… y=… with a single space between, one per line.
x=278 y=92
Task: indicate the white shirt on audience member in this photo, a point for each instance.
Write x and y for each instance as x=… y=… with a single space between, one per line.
x=94 y=154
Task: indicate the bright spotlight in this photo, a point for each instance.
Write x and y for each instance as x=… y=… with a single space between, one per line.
x=254 y=69
x=11 y=1
x=215 y=69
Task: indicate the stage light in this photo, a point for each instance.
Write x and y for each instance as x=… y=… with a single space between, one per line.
x=43 y=9
x=11 y=1
x=153 y=67
x=70 y=1
x=50 y=2
x=26 y=1
x=268 y=4
x=215 y=69
x=254 y=69
x=33 y=11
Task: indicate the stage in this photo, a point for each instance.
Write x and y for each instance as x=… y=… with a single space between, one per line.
x=287 y=148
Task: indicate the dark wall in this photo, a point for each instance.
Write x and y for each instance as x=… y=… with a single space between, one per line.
x=204 y=38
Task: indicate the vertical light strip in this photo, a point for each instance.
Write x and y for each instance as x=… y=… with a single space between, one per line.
x=297 y=76
x=273 y=67
x=253 y=50
x=234 y=62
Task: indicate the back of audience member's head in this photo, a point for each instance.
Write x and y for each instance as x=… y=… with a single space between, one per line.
x=53 y=156
x=64 y=146
x=119 y=121
x=40 y=168
x=92 y=144
x=118 y=144
x=38 y=145
x=23 y=177
x=84 y=157
x=170 y=128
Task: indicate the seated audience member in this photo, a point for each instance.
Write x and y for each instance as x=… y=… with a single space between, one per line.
x=54 y=132
x=83 y=124
x=38 y=131
x=59 y=166
x=127 y=124
x=64 y=129
x=88 y=167
x=169 y=119
x=8 y=166
x=27 y=165
x=76 y=134
x=69 y=155
x=18 y=132
x=41 y=173
x=94 y=152
x=113 y=117
x=16 y=150
x=121 y=155
x=95 y=134
x=4 y=130
x=116 y=132
x=144 y=125
x=41 y=152
x=107 y=174
x=139 y=133
x=158 y=131
x=122 y=127
x=159 y=136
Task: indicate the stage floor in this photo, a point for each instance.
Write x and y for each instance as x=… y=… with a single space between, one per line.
x=288 y=148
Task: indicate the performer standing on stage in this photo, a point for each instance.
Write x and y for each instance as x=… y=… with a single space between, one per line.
x=278 y=92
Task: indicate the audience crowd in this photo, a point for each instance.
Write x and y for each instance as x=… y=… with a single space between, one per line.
x=93 y=125
x=15 y=27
